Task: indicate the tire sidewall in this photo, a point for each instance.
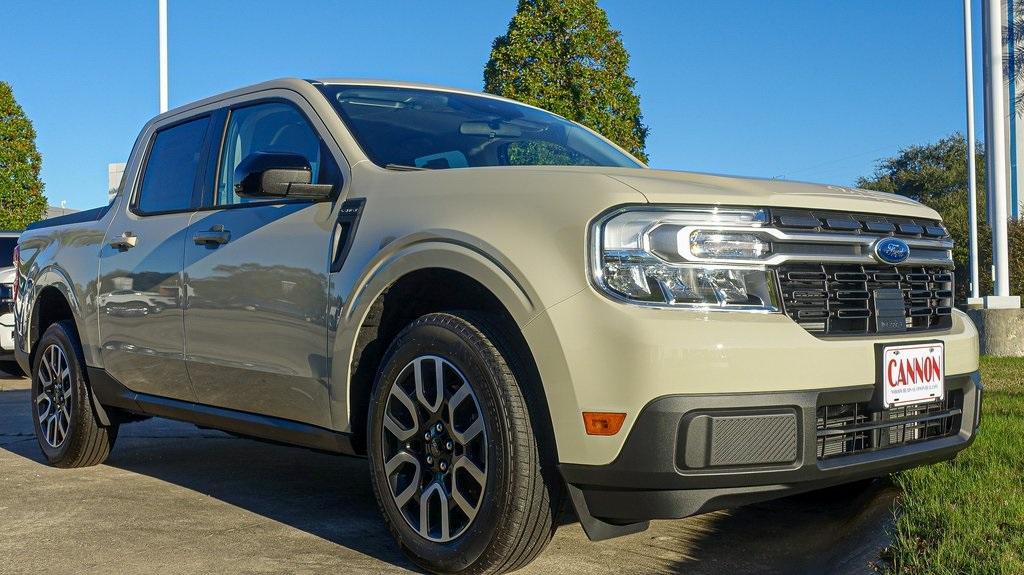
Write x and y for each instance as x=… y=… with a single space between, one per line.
x=431 y=338
x=58 y=334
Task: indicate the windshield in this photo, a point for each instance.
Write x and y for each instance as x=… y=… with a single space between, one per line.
x=429 y=129
x=7 y=251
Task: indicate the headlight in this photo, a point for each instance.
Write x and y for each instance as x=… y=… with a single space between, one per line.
x=647 y=257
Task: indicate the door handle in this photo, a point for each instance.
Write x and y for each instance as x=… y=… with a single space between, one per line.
x=126 y=241
x=216 y=236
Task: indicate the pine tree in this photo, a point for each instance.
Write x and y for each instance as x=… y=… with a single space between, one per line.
x=21 y=191
x=561 y=55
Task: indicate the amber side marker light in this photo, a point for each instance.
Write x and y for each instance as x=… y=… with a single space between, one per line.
x=600 y=423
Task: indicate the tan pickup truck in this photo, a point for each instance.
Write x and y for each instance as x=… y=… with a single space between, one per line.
x=500 y=308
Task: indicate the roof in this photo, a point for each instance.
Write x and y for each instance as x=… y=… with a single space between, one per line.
x=298 y=84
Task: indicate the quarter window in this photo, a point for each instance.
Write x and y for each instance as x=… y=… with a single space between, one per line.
x=271 y=127
x=170 y=175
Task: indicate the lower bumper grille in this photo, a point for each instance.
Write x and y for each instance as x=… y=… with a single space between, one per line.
x=852 y=299
x=849 y=428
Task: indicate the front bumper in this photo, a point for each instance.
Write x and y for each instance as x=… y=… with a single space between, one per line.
x=594 y=354
x=690 y=454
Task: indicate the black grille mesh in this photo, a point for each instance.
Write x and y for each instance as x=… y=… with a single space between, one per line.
x=849 y=428
x=837 y=299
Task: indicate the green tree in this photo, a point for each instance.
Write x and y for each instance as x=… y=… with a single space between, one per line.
x=21 y=191
x=561 y=55
x=1013 y=59
x=936 y=175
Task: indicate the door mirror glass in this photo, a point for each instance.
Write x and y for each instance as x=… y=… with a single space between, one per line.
x=277 y=175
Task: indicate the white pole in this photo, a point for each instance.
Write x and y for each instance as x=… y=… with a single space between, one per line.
x=995 y=144
x=162 y=10
x=972 y=178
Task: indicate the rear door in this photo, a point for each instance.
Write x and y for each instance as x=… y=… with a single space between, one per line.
x=140 y=292
x=256 y=274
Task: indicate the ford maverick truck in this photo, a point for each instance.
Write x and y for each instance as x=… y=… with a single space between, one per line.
x=502 y=310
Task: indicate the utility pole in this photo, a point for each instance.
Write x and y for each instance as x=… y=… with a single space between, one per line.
x=162 y=33
x=972 y=177
x=995 y=149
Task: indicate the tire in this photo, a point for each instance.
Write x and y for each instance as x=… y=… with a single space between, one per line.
x=11 y=368
x=519 y=496
x=66 y=426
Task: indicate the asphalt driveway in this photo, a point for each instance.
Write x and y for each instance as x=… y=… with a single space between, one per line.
x=176 y=499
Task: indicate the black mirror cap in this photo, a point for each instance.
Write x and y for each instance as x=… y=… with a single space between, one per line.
x=277 y=175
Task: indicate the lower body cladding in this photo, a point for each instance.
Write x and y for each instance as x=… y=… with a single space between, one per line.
x=690 y=454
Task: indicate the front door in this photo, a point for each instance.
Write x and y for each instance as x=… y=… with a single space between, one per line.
x=139 y=296
x=256 y=275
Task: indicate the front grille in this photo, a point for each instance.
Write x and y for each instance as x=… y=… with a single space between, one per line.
x=826 y=221
x=850 y=428
x=849 y=299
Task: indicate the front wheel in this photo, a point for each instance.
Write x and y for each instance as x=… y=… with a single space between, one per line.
x=456 y=466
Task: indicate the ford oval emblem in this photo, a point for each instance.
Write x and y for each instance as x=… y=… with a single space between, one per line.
x=891 y=251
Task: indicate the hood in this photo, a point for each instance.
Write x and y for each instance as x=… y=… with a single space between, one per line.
x=662 y=187
x=668 y=187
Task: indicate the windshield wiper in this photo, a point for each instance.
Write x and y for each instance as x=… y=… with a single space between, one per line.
x=404 y=168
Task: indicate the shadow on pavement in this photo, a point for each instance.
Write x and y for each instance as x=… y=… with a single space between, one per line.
x=331 y=498
x=836 y=531
x=324 y=495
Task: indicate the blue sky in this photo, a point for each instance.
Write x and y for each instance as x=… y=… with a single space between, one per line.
x=805 y=90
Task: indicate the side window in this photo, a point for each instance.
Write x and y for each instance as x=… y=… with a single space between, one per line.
x=170 y=173
x=271 y=127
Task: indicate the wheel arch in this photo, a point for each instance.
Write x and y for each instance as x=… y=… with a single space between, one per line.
x=425 y=278
x=54 y=301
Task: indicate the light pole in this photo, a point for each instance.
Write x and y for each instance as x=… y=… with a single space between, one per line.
x=972 y=204
x=995 y=150
x=162 y=34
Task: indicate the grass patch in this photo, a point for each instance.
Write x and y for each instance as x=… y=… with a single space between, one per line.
x=967 y=515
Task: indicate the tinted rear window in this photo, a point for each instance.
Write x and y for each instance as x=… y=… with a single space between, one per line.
x=170 y=174
x=7 y=251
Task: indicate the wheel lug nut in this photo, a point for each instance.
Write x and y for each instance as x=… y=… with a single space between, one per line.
x=426 y=436
x=444 y=466
x=430 y=460
x=449 y=446
x=439 y=427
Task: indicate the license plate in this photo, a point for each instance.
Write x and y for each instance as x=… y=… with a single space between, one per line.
x=913 y=374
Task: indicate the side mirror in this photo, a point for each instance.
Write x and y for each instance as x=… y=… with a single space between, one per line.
x=277 y=175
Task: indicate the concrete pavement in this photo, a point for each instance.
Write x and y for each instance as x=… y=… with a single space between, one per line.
x=175 y=499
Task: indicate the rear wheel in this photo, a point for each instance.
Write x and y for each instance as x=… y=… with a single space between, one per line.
x=66 y=426
x=455 y=462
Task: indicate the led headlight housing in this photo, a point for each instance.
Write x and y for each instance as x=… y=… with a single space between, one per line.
x=684 y=258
